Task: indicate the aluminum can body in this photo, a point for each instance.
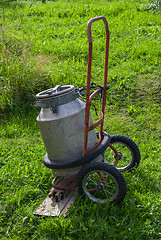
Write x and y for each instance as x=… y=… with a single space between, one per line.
x=63 y=133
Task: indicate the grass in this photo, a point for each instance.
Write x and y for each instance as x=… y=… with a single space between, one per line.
x=44 y=44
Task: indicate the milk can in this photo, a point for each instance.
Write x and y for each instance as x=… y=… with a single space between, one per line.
x=61 y=122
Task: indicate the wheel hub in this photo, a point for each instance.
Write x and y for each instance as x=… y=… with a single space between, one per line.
x=100 y=187
x=119 y=155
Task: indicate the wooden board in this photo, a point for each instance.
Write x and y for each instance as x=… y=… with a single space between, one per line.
x=50 y=207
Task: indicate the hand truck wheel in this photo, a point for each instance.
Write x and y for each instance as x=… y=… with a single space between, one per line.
x=101 y=183
x=128 y=153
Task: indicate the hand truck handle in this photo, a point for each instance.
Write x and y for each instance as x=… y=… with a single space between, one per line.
x=88 y=97
x=90 y=23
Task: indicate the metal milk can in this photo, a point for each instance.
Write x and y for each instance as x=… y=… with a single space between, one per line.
x=61 y=122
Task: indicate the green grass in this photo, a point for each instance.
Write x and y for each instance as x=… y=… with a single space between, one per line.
x=44 y=44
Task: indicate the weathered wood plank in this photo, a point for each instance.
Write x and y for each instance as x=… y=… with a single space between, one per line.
x=50 y=207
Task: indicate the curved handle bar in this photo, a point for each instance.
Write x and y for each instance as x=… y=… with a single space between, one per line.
x=90 y=23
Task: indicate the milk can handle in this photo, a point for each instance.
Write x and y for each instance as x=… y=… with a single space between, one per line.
x=104 y=87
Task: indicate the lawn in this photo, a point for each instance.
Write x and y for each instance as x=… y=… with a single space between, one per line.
x=45 y=44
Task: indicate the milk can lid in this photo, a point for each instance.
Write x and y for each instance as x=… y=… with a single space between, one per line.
x=55 y=92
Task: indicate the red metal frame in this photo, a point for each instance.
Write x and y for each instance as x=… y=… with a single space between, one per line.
x=116 y=155
x=90 y=97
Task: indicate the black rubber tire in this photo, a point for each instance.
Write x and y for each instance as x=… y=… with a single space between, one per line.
x=115 y=183
x=128 y=150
